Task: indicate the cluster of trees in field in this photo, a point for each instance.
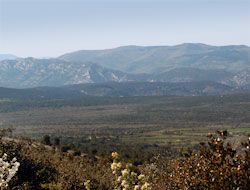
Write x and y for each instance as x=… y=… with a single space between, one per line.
x=215 y=165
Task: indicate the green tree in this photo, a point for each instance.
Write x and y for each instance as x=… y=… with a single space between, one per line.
x=56 y=141
x=46 y=140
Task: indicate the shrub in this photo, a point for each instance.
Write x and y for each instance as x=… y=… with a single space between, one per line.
x=125 y=178
x=46 y=140
x=7 y=170
x=216 y=166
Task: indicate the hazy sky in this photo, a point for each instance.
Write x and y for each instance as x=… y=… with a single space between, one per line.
x=43 y=28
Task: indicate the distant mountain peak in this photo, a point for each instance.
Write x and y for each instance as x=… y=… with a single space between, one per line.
x=7 y=57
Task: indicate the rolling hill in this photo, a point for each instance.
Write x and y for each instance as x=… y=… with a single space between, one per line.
x=7 y=57
x=120 y=89
x=192 y=75
x=157 y=59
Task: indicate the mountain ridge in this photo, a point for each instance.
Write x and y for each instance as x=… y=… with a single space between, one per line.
x=31 y=72
x=7 y=57
x=139 y=59
x=229 y=65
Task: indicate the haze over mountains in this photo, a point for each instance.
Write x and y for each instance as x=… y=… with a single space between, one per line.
x=220 y=70
x=7 y=57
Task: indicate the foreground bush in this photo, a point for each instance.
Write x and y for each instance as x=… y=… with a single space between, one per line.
x=8 y=170
x=215 y=166
x=125 y=178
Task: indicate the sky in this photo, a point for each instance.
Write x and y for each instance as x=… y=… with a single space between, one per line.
x=49 y=28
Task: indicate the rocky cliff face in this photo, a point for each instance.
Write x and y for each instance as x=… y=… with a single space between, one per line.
x=30 y=72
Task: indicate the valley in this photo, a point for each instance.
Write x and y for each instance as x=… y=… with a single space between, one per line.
x=151 y=98
x=155 y=121
x=124 y=95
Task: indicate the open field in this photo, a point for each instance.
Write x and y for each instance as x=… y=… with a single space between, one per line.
x=156 y=121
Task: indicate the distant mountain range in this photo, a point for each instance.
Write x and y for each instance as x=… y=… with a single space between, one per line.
x=30 y=72
x=157 y=59
x=7 y=57
x=228 y=66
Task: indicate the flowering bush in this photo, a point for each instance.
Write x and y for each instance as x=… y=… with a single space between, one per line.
x=125 y=178
x=87 y=185
x=7 y=170
x=216 y=166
